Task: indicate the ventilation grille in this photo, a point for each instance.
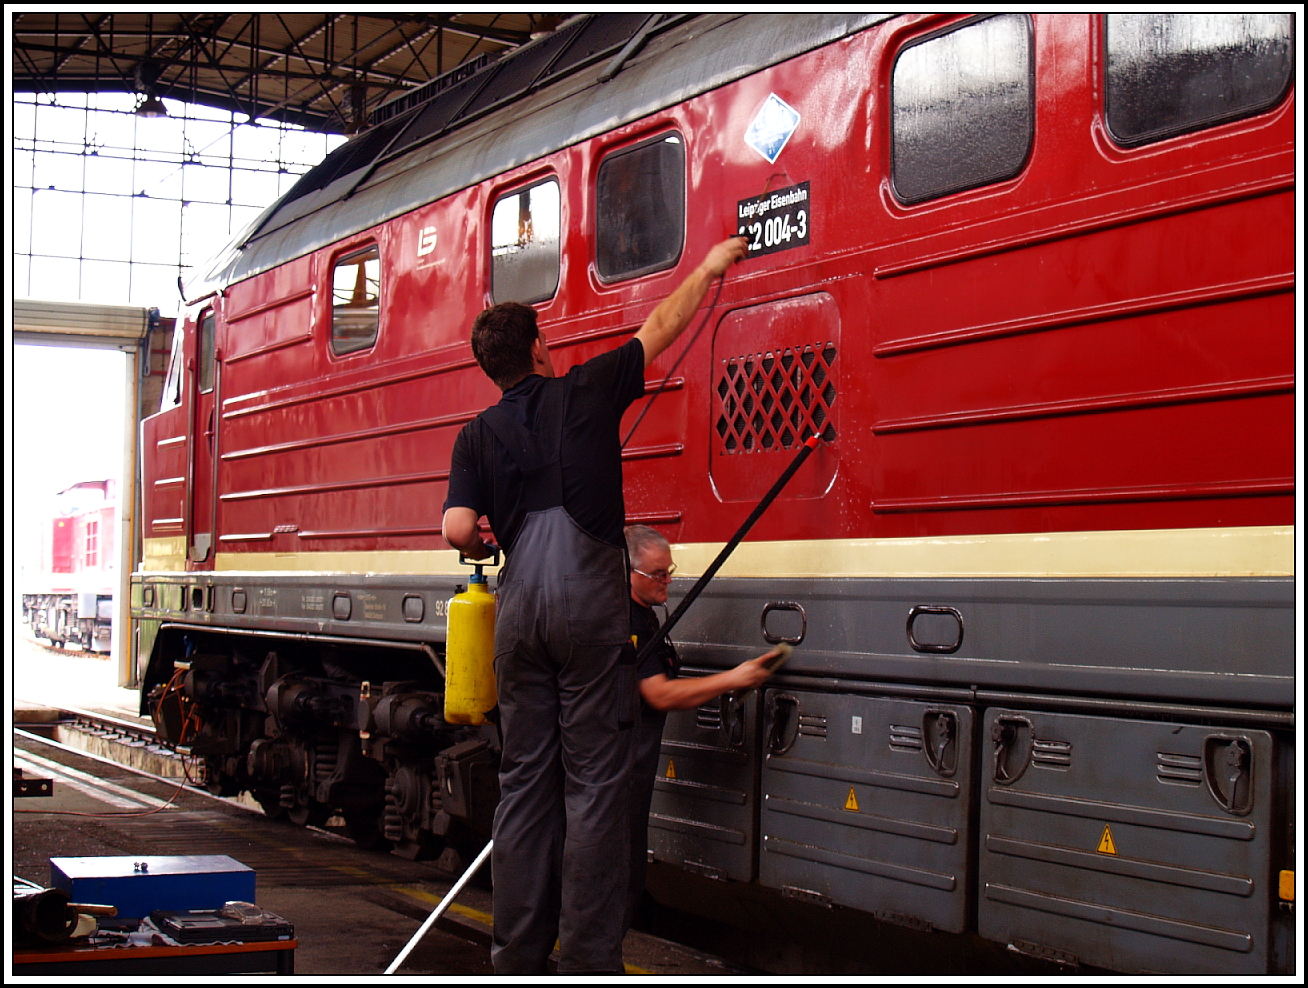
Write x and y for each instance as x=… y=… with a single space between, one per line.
x=777 y=399
x=905 y=738
x=814 y=725
x=1179 y=770
x=709 y=716
x=1051 y=754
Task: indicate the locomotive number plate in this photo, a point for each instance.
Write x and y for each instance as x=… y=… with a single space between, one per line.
x=775 y=220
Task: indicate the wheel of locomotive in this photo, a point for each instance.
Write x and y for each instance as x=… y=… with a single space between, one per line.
x=271 y=802
x=218 y=782
x=364 y=828
x=309 y=814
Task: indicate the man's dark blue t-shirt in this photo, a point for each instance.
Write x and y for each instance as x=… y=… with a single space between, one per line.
x=485 y=477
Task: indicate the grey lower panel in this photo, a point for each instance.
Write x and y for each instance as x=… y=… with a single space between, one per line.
x=403 y=608
x=702 y=817
x=865 y=804
x=1207 y=642
x=1131 y=845
x=1215 y=642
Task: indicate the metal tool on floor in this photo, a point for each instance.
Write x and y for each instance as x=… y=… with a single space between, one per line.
x=439 y=911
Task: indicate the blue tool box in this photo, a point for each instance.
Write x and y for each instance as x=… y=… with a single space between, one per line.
x=141 y=884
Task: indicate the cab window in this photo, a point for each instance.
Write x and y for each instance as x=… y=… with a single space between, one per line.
x=172 y=389
x=207 y=362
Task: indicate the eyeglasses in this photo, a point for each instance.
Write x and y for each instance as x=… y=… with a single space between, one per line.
x=659 y=575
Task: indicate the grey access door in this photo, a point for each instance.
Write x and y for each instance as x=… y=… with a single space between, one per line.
x=702 y=816
x=865 y=804
x=1131 y=845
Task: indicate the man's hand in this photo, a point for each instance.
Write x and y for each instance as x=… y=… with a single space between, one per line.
x=753 y=672
x=724 y=255
x=674 y=313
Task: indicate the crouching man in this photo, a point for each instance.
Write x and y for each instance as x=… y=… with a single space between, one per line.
x=661 y=687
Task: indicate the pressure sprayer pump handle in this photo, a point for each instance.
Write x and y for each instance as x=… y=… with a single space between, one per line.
x=478 y=564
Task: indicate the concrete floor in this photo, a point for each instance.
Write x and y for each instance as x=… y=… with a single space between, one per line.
x=353 y=911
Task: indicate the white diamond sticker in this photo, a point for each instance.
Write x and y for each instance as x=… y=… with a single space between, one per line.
x=771 y=127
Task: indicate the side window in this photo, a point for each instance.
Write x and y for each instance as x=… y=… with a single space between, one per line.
x=963 y=108
x=356 y=293
x=640 y=209
x=1166 y=74
x=525 y=244
x=92 y=544
x=207 y=362
x=172 y=389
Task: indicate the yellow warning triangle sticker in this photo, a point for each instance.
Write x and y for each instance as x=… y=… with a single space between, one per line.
x=671 y=773
x=851 y=801
x=1106 y=845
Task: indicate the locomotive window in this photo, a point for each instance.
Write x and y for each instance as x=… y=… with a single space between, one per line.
x=92 y=544
x=207 y=361
x=963 y=108
x=525 y=244
x=172 y=389
x=1166 y=74
x=641 y=209
x=356 y=293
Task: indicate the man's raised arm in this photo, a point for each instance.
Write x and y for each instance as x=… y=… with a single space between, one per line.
x=674 y=313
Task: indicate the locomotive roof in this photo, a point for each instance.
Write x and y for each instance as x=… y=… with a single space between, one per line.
x=551 y=93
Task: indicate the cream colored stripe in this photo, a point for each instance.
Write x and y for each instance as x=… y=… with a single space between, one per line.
x=433 y=562
x=1193 y=552
x=164 y=555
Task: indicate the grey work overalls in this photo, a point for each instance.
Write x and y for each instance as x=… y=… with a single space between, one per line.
x=567 y=702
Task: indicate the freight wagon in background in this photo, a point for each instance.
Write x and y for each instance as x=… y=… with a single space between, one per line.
x=71 y=600
x=1029 y=277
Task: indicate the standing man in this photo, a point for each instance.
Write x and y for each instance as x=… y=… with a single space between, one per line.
x=544 y=466
x=661 y=689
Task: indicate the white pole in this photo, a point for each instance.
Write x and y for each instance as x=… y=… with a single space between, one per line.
x=440 y=910
x=120 y=641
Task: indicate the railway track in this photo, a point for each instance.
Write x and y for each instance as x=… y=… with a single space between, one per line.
x=56 y=649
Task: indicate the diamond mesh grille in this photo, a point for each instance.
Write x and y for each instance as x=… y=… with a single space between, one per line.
x=776 y=399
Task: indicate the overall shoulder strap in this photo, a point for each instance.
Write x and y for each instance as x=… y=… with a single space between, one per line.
x=535 y=451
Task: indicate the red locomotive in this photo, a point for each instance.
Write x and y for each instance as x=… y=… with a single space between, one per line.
x=71 y=601
x=1030 y=278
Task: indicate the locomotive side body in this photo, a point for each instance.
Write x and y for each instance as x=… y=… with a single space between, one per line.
x=1039 y=567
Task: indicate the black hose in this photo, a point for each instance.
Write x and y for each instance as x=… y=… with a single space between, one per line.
x=729 y=548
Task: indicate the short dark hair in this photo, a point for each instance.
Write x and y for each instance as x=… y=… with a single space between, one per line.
x=502 y=337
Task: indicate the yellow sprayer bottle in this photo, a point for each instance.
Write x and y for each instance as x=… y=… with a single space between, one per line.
x=470 y=654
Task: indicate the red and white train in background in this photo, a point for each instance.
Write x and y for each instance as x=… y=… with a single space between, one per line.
x=70 y=601
x=1031 y=277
